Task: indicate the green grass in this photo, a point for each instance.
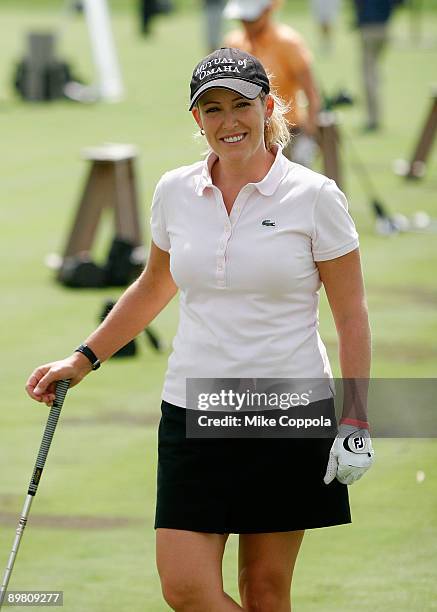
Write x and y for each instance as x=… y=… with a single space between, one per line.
x=102 y=464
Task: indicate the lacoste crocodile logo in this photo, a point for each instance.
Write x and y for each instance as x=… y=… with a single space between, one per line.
x=268 y=222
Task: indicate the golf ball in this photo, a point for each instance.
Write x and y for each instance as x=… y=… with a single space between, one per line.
x=420 y=220
x=420 y=476
x=401 y=222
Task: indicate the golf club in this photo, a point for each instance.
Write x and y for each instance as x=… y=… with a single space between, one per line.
x=386 y=223
x=154 y=339
x=52 y=421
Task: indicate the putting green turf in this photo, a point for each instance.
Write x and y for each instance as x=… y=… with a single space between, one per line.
x=90 y=532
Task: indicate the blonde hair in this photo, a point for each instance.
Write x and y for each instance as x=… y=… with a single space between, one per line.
x=277 y=128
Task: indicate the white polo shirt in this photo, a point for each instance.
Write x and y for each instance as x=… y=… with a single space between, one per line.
x=249 y=285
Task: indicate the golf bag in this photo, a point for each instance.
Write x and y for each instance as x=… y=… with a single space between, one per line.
x=47 y=83
x=120 y=268
x=79 y=271
x=40 y=76
x=129 y=349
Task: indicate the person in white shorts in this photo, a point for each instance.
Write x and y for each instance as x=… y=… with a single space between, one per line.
x=326 y=14
x=248 y=238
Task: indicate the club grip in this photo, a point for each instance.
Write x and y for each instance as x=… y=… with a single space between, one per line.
x=52 y=421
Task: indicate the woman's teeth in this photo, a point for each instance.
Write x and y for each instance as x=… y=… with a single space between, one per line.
x=234 y=138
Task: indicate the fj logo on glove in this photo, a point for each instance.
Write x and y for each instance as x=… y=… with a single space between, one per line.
x=356 y=444
x=359 y=443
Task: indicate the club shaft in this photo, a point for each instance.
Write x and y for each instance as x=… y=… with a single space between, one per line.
x=359 y=165
x=16 y=545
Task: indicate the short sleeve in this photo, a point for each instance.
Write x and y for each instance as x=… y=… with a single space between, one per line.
x=334 y=232
x=157 y=219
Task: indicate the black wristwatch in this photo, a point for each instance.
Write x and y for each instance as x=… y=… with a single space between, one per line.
x=89 y=354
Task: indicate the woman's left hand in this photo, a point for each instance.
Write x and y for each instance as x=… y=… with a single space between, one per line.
x=351 y=455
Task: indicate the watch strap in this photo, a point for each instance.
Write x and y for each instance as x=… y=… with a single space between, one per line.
x=90 y=355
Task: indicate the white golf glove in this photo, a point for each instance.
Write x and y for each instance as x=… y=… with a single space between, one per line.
x=350 y=456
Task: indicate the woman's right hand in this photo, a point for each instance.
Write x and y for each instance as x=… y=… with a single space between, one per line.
x=41 y=384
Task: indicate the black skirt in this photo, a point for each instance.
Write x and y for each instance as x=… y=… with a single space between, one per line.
x=235 y=485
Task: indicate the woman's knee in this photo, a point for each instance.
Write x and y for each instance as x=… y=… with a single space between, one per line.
x=182 y=593
x=264 y=590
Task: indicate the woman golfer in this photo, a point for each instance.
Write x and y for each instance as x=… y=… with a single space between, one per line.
x=247 y=237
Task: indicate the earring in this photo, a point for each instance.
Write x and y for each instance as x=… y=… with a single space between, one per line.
x=202 y=131
x=267 y=122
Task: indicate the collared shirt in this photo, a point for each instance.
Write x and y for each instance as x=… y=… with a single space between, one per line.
x=249 y=285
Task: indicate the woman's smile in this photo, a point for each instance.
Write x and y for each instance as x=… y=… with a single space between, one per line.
x=234 y=138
